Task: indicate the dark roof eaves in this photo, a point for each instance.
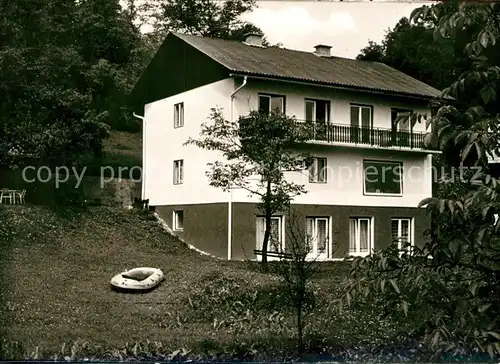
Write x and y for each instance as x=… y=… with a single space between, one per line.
x=339 y=85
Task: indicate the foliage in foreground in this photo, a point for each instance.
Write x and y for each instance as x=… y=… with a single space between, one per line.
x=450 y=288
x=410 y=47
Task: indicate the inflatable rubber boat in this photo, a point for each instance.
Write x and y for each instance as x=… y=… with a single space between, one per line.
x=138 y=279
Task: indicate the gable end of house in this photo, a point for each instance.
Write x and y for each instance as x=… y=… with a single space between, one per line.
x=176 y=67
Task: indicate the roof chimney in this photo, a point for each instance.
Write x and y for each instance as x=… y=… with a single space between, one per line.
x=254 y=39
x=322 y=50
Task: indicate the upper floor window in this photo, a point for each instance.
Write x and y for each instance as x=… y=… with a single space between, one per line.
x=317 y=170
x=179 y=115
x=361 y=116
x=400 y=120
x=269 y=102
x=317 y=110
x=383 y=177
x=361 y=123
x=178 y=172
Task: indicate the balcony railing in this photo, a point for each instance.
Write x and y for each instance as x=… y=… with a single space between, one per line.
x=380 y=137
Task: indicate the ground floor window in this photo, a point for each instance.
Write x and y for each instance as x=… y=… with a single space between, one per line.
x=276 y=239
x=178 y=220
x=318 y=233
x=360 y=236
x=402 y=232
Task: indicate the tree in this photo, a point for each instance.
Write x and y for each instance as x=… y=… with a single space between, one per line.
x=410 y=48
x=258 y=152
x=61 y=75
x=449 y=288
x=297 y=268
x=373 y=52
x=208 y=18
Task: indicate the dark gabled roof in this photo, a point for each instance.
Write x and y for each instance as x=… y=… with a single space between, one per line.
x=282 y=63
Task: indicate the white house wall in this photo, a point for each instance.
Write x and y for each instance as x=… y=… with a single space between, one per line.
x=345 y=181
x=163 y=144
x=247 y=99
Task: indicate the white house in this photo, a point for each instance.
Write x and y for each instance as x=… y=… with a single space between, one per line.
x=357 y=102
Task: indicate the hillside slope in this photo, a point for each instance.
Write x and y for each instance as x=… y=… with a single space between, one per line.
x=56 y=266
x=56 y=272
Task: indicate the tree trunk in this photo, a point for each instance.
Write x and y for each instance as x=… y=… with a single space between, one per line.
x=268 y=215
x=265 y=243
x=300 y=339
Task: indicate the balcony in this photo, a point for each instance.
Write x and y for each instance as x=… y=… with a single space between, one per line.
x=379 y=137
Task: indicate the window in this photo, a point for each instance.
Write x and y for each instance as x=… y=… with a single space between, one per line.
x=317 y=110
x=360 y=236
x=317 y=170
x=401 y=127
x=361 y=123
x=400 y=119
x=383 y=177
x=271 y=102
x=179 y=115
x=178 y=220
x=401 y=232
x=178 y=172
x=276 y=241
x=318 y=232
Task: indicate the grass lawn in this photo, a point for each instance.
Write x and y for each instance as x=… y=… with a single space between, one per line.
x=56 y=269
